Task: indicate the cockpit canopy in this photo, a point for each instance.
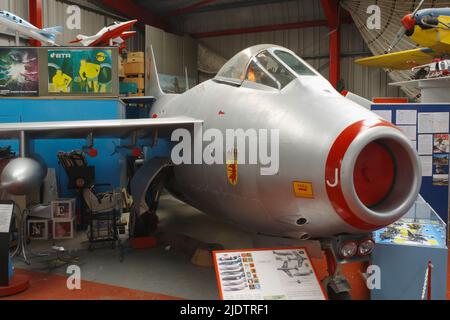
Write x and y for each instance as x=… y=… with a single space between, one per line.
x=268 y=65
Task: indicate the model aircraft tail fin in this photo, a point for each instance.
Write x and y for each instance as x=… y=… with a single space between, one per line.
x=54 y=30
x=81 y=38
x=155 y=84
x=51 y=33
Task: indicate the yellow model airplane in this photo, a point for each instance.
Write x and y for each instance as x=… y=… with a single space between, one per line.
x=429 y=28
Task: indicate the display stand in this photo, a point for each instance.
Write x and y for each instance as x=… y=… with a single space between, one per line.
x=404 y=252
x=17 y=283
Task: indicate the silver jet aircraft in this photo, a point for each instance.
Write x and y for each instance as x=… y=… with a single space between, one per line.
x=341 y=169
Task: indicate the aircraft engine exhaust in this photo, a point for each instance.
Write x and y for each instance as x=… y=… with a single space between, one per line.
x=22 y=175
x=380 y=175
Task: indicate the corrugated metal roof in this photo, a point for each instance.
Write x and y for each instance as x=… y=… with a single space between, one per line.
x=226 y=14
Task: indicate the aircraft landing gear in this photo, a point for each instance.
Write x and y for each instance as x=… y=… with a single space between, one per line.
x=336 y=285
x=146 y=188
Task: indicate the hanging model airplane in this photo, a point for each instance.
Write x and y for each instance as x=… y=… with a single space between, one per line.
x=12 y=25
x=342 y=169
x=113 y=35
x=429 y=28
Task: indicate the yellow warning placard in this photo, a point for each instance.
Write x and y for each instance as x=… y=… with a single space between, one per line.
x=303 y=189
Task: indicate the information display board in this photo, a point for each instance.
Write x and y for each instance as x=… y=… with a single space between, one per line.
x=6 y=212
x=267 y=274
x=428 y=128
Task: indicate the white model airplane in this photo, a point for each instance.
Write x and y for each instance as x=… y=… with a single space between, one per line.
x=113 y=35
x=13 y=25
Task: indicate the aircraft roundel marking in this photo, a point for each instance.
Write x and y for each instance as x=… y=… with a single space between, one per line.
x=333 y=168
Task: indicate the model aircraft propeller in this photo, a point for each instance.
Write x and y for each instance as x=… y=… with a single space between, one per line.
x=408 y=23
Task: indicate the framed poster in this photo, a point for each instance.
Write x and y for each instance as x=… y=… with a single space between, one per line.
x=80 y=71
x=19 y=72
x=267 y=274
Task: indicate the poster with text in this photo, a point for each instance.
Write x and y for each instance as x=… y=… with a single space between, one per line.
x=82 y=71
x=267 y=274
x=19 y=72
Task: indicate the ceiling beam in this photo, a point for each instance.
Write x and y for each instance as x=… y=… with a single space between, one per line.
x=267 y=28
x=191 y=8
x=135 y=11
x=331 y=10
x=235 y=5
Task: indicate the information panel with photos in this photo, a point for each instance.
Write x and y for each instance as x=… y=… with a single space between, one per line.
x=428 y=127
x=267 y=274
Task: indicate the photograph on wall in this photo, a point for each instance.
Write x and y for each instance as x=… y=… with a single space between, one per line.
x=441 y=143
x=440 y=159
x=82 y=71
x=440 y=169
x=19 y=72
x=440 y=180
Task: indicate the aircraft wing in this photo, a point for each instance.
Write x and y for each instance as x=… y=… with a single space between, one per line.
x=99 y=128
x=138 y=100
x=401 y=60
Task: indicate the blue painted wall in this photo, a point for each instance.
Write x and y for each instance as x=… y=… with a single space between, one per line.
x=109 y=168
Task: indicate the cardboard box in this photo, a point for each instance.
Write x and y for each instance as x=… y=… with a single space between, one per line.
x=134 y=68
x=136 y=54
x=135 y=57
x=140 y=82
x=38 y=229
x=63 y=229
x=63 y=208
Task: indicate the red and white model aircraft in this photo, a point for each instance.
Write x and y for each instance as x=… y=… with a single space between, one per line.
x=113 y=35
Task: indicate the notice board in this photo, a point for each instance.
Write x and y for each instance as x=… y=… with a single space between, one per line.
x=427 y=127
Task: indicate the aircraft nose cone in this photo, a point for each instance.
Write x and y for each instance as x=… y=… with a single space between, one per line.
x=409 y=22
x=21 y=176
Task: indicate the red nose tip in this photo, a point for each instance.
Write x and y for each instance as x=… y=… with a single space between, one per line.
x=374 y=174
x=408 y=22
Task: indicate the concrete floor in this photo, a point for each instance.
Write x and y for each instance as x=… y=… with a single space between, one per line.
x=167 y=272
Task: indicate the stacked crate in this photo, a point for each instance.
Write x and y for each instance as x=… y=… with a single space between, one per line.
x=63 y=212
x=135 y=71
